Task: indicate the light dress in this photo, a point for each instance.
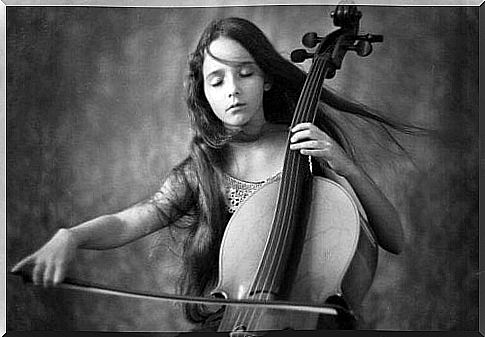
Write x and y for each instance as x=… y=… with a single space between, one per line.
x=237 y=190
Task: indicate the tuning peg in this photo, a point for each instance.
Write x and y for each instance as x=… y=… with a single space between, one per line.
x=364 y=45
x=371 y=38
x=310 y=40
x=362 y=48
x=300 y=55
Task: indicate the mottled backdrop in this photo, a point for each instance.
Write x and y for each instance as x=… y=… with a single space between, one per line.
x=96 y=118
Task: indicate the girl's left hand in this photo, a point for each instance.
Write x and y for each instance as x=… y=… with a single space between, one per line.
x=311 y=141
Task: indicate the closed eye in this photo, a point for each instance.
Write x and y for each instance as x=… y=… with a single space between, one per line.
x=215 y=82
x=246 y=71
x=245 y=74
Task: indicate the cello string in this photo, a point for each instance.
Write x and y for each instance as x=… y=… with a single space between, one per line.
x=270 y=245
x=307 y=100
x=308 y=94
x=305 y=116
x=295 y=161
x=293 y=196
x=309 y=112
x=296 y=158
x=287 y=216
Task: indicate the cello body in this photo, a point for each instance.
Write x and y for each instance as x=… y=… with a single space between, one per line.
x=336 y=257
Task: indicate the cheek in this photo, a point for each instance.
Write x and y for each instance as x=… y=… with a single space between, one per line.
x=207 y=93
x=214 y=101
x=209 y=96
x=257 y=86
x=258 y=92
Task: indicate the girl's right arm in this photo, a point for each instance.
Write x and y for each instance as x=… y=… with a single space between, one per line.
x=51 y=261
x=174 y=199
x=115 y=230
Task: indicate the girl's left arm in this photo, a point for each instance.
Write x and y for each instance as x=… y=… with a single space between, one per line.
x=382 y=216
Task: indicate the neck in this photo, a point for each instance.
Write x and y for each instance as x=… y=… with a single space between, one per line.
x=256 y=158
x=255 y=134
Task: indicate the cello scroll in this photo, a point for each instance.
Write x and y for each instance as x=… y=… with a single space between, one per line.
x=334 y=46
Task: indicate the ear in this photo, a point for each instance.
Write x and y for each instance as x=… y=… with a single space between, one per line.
x=268 y=83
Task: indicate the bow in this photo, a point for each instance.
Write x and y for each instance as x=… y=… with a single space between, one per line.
x=80 y=285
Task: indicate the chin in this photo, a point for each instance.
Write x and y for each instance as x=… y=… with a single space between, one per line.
x=235 y=125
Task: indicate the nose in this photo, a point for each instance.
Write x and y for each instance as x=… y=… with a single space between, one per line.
x=233 y=87
x=233 y=93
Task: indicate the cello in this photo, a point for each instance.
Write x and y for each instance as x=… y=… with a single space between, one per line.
x=299 y=238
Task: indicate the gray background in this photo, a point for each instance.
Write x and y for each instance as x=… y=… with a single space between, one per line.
x=96 y=118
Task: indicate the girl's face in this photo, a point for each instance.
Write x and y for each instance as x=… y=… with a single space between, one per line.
x=234 y=87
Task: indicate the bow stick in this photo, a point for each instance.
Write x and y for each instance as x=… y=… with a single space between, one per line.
x=74 y=284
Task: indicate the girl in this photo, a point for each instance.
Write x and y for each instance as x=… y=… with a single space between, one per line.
x=241 y=95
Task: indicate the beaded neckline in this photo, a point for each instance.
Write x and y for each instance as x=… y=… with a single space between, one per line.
x=237 y=190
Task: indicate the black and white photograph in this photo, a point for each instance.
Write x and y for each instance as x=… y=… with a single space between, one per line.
x=246 y=169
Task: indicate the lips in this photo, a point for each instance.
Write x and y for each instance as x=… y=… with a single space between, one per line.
x=235 y=106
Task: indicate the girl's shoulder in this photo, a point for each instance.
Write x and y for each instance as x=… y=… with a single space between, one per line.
x=180 y=180
x=184 y=168
x=176 y=193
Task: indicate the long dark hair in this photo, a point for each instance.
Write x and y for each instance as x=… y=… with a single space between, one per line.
x=210 y=136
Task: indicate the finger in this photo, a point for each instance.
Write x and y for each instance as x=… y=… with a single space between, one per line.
x=22 y=263
x=310 y=144
x=48 y=275
x=59 y=274
x=317 y=153
x=37 y=273
x=310 y=130
x=301 y=135
x=302 y=126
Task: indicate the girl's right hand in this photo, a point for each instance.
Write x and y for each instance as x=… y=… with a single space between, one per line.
x=52 y=260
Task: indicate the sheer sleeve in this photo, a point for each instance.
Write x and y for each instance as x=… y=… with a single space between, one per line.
x=176 y=197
